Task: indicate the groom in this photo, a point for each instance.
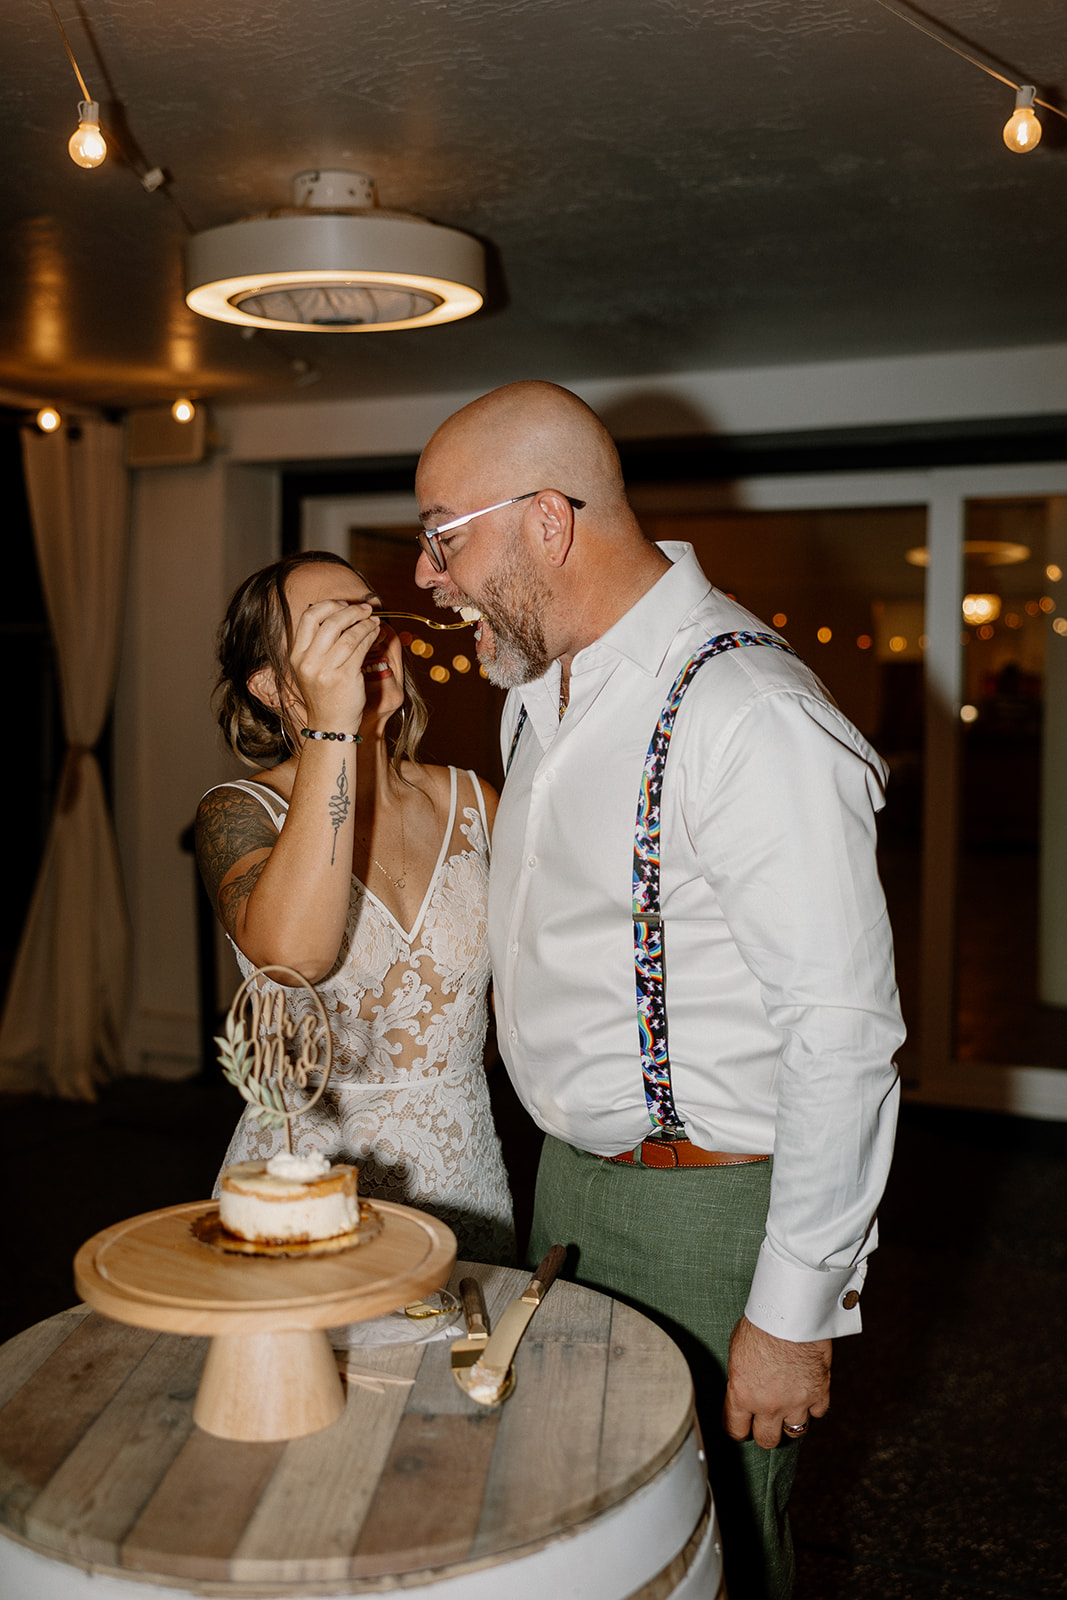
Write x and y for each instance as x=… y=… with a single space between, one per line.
x=721 y=1173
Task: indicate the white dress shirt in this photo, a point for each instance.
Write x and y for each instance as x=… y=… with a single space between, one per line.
x=782 y=1006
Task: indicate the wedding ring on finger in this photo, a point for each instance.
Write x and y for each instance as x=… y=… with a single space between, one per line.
x=795 y=1430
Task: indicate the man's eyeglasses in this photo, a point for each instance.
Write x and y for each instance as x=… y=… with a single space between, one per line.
x=429 y=539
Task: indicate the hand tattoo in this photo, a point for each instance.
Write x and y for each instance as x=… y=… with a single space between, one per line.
x=339 y=807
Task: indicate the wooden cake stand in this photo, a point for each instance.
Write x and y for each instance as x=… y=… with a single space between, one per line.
x=270 y=1372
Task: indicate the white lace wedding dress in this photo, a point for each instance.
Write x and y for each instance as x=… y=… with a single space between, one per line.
x=407 y=1097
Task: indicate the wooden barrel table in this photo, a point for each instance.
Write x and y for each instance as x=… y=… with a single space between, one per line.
x=587 y=1484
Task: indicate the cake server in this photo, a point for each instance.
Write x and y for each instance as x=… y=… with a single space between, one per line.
x=491 y=1379
x=465 y=1352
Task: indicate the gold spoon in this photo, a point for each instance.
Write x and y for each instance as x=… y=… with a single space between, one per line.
x=427 y=622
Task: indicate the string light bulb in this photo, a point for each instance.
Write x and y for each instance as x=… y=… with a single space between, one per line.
x=183 y=410
x=87 y=145
x=48 y=419
x=1022 y=131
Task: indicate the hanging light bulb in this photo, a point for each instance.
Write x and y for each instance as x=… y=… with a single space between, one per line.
x=183 y=410
x=1022 y=131
x=48 y=419
x=87 y=145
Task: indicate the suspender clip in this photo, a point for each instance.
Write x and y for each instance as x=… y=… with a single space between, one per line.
x=670 y=1133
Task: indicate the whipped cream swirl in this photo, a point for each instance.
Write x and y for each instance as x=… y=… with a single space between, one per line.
x=298 y=1168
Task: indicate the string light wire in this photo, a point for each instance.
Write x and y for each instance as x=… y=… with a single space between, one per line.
x=940 y=39
x=70 y=52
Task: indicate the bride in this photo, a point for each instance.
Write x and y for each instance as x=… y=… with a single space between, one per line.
x=348 y=860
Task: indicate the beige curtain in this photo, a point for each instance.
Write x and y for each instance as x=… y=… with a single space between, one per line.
x=62 y=1025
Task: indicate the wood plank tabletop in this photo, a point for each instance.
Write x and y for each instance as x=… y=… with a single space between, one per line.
x=101 y=1462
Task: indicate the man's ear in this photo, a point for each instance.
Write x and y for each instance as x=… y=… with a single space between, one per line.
x=263 y=687
x=552 y=518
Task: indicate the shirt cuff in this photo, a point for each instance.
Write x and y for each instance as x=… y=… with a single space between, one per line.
x=802 y=1303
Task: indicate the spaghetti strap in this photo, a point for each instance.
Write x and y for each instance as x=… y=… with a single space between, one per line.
x=480 y=797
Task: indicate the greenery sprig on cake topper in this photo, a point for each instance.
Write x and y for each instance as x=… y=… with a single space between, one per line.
x=264 y=1050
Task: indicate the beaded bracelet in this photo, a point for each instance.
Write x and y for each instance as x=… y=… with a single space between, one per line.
x=345 y=738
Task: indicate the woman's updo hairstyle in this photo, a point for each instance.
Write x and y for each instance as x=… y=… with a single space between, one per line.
x=255 y=633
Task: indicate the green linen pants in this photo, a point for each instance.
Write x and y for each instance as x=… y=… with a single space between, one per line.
x=681 y=1246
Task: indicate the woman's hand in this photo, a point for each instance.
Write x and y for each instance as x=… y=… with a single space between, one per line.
x=330 y=645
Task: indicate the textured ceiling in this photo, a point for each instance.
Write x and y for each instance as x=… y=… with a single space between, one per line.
x=662 y=185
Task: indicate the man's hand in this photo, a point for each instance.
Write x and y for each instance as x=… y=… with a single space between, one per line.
x=773 y=1381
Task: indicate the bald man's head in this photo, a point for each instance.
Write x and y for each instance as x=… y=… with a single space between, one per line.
x=529 y=435
x=544 y=541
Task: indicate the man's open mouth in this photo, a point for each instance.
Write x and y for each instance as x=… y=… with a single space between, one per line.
x=472 y=613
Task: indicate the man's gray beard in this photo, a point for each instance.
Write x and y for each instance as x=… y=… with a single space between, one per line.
x=514 y=601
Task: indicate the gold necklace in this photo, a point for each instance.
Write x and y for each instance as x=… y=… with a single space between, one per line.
x=400 y=882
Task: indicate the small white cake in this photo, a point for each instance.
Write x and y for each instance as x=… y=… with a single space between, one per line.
x=289 y=1200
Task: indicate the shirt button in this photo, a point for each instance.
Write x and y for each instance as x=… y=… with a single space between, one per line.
x=531 y=861
x=851 y=1300
x=515 y=948
x=549 y=775
x=513 y=1033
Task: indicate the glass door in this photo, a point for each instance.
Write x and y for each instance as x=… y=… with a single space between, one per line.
x=1012 y=982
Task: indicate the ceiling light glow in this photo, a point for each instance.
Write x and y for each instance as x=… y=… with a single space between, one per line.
x=48 y=419
x=986 y=552
x=329 y=266
x=183 y=410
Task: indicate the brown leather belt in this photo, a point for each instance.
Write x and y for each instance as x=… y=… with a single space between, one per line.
x=666 y=1153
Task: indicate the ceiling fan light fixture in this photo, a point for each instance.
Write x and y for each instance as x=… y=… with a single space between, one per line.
x=330 y=266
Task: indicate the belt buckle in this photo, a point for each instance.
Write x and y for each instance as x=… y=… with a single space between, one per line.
x=665 y=1138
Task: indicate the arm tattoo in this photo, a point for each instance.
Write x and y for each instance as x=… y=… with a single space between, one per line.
x=229 y=826
x=233 y=895
x=339 y=807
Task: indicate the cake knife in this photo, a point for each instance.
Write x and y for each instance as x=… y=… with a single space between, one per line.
x=490 y=1379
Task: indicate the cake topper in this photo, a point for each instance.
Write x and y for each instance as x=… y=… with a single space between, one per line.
x=265 y=1052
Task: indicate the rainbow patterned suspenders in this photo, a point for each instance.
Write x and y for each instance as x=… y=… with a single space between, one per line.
x=648 y=924
x=520 y=724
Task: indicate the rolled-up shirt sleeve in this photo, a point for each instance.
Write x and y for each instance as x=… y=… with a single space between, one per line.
x=786 y=837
